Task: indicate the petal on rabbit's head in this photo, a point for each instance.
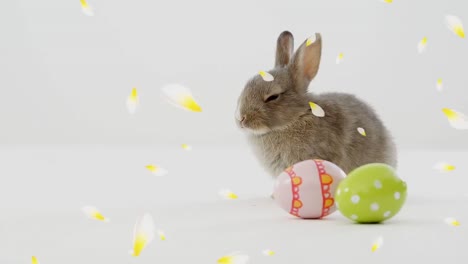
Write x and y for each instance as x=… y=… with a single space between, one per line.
x=455 y=25
x=266 y=76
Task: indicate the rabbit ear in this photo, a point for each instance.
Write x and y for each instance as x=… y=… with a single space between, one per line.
x=305 y=63
x=284 y=49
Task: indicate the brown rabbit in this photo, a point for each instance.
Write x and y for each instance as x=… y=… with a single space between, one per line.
x=283 y=130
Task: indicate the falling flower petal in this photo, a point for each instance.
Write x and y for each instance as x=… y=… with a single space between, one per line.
x=361 y=131
x=267 y=77
x=311 y=40
x=234 y=258
x=377 y=244
x=132 y=101
x=439 y=85
x=387 y=1
x=268 y=252
x=93 y=213
x=34 y=260
x=186 y=147
x=316 y=109
x=161 y=235
x=181 y=97
x=455 y=25
x=456 y=119
x=452 y=221
x=143 y=234
x=339 y=58
x=227 y=194
x=87 y=9
x=158 y=171
x=444 y=167
x=422 y=45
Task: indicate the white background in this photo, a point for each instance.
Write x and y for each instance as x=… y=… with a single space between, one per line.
x=66 y=76
x=64 y=82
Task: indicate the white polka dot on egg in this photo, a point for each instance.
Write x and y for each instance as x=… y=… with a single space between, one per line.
x=355 y=199
x=378 y=184
x=354 y=217
x=374 y=206
x=397 y=196
x=346 y=189
x=387 y=214
x=338 y=192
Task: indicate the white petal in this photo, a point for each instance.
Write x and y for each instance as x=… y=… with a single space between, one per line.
x=180 y=97
x=444 y=167
x=267 y=77
x=422 y=45
x=143 y=233
x=362 y=131
x=455 y=25
x=93 y=213
x=456 y=119
x=86 y=8
x=316 y=109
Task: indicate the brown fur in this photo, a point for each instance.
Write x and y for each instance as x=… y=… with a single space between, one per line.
x=284 y=131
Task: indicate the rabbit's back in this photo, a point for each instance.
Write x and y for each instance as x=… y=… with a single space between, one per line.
x=334 y=137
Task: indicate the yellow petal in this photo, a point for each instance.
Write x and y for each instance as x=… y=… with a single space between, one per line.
x=161 y=235
x=143 y=234
x=455 y=25
x=388 y=1
x=34 y=260
x=267 y=77
x=316 y=109
x=452 y=221
x=456 y=119
x=339 y=58
x=234 y=259
x=361 y=131
x=377 y=244
x=181 y=97
x=158 y=171
x=93 y=213
x=227 y=194
x=87 y=9
x=133 y=101
x=439 y=85
x=268 y=252
x=422 y=45
x=444 y=167
x=186 y=147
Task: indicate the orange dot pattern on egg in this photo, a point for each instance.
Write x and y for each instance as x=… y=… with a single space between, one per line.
x=296 y=181
x=326 y=180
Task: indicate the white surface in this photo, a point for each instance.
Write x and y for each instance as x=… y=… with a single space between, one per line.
x=44 y=188
x=66 y=76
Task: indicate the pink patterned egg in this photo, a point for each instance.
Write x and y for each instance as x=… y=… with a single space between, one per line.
x=306 y=189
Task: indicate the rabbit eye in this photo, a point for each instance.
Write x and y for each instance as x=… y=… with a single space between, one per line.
x=272 y=97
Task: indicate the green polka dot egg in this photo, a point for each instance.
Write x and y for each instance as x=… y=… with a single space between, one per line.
x=371 y=193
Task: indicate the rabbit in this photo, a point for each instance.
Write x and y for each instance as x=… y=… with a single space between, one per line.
x=282 y=130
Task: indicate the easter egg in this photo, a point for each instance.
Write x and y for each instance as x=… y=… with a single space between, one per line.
x=371 y=193
x=306 y=189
